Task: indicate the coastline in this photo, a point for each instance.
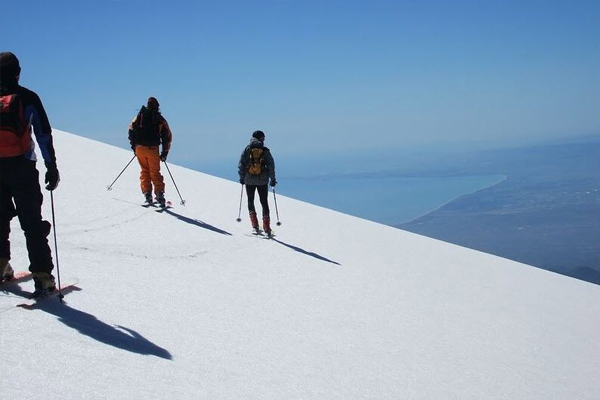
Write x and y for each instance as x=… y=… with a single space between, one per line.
x=389 y=200
x=503 y=179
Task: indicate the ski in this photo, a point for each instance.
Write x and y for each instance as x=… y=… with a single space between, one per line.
x=157 y=205
x=160 y=208
x=261 y=235
x=29 y=303
x=12 y=288
x=19 y=276
x=34 y=303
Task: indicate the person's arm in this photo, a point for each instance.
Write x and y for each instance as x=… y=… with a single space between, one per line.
x=243 y=165
x=166 y=137
x=270 y=164
x=36 y=115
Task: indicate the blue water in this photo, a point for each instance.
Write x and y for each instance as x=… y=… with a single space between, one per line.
x=378 y=194
x=387 y=200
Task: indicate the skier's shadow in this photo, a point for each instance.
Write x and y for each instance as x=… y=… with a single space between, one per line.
x=195 y=222
x=308 y=253
x=117 y=336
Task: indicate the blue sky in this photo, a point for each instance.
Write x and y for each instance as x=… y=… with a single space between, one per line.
x=336 y=76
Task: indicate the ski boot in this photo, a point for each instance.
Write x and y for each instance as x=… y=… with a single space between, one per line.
x=160 y=198
x=148 y=197
x=267 y=226
x=44 y=284
x=254 y=222
x=6 y=271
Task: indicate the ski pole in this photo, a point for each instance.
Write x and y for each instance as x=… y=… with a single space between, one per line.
x=276 y=210
x=60 y=295
x=239 y=218
x=182 y=200
x=109 y=187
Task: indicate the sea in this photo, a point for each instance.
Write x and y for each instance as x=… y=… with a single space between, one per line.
x=382 y=196
x=387 y=200
x=552 y=192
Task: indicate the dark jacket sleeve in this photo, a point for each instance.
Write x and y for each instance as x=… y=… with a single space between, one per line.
x=166 y=137
x=270 y=164
x=35 y=112
x=132 y=132
x=243 y=163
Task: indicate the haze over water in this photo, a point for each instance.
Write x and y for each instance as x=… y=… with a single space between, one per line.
x=387 y=200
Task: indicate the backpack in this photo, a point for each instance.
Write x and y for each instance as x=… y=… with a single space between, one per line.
x=14 y=127
x=146 y=129
x=256 y=161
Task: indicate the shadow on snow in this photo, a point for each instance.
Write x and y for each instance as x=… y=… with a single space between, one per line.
x=308 y=253
x=194 y=222
x=88 y=325
x=116 y=336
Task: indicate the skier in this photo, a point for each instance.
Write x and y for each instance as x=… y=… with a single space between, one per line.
x=20 y=194
x=256 y=169
x=148 y=130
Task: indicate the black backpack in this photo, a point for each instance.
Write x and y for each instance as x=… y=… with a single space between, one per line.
x=146 y=128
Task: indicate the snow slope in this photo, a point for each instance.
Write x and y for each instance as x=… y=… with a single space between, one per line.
x=184 y=305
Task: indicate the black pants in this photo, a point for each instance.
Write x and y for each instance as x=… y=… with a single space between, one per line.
x=263 y=191
x=20 y=195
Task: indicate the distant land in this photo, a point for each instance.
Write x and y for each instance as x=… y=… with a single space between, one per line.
x=546 y=212
x=536 y=204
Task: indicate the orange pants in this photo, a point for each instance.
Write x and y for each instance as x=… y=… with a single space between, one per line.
x=149 y=160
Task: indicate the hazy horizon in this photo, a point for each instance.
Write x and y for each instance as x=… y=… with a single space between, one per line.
x=335 y=76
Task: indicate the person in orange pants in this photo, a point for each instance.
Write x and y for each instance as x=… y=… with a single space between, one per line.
x=149 y=159
x=147 y=132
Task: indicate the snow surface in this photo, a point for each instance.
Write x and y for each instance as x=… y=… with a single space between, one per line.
x=184 y=305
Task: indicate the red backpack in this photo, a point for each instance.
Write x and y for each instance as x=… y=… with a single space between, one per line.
x=15 y=136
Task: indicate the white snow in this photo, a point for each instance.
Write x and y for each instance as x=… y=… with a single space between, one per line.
x=185 y=305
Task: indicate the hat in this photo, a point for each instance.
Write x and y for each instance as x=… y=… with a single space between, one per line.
x=9 y=66
x=153 y=103
x=258 y=134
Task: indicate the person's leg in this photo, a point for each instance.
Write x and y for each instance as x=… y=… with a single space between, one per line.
x=158 y=181
x=7 y=210
x=141 y=153
x=250 y=191
x=263 y=194
x=28 y=200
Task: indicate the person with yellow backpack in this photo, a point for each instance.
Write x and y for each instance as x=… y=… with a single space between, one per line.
x=256 y=170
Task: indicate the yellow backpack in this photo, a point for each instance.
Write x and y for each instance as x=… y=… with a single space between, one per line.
x=256 y=161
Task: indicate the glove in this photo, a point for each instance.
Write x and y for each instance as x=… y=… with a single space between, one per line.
x=52 y=176
x=163 y=156
x=242 y=181
x=273 y=182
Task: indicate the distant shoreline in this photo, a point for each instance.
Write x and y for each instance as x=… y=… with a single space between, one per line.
x=546 y=213
x=502 y=179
